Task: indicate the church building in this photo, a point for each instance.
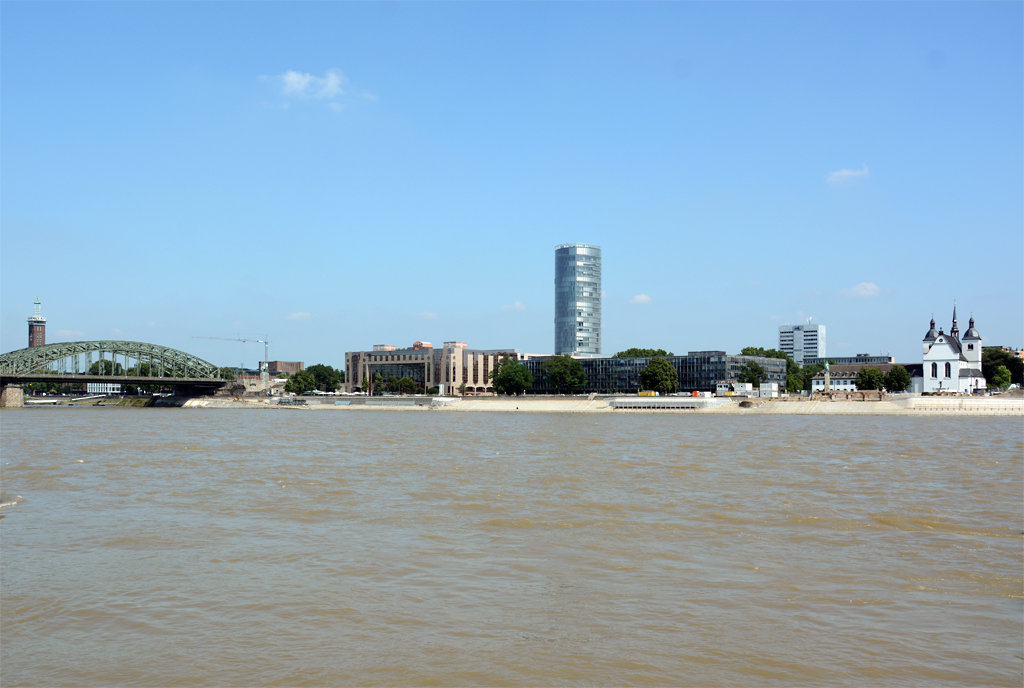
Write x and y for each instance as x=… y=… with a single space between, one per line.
x=951 y=364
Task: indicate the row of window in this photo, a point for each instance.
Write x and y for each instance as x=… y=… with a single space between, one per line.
x=935 y=370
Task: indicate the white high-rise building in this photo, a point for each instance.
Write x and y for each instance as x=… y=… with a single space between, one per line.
x=802 y=341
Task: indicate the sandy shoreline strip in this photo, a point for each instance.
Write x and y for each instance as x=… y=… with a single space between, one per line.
x=912 y=406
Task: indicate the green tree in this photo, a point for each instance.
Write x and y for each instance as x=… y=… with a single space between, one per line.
x=795 y=380
x=564 y=371
x=759 y=351
x=897 y=379
x=106 y=367
x=365 y=387
x=462 y=389
x=751 y=372
x=407 y=385
x=141 y=369
x=511 y=377
x=870 y=378
x=327 y=378
x=642 y=353
x=225 y=373
x=392 y=384
x=433 y=391
x=47 y=387
x=794 y=383
x=808 y=372
x=300 y=383
x=1002 y=377
x=378 y=383
x=659 y=376
x=992 y=357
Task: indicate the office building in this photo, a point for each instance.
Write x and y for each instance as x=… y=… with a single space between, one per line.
x=802 y=341
x=698 y=371
x=447 y=368
x=578 y=300
x=843 y=377
x=859 y=359
x=290 y=367
x=37 y=326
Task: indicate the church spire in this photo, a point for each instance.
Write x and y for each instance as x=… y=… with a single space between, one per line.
x=955 y=331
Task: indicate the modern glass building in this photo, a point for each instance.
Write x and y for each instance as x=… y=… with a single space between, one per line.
x=578 y=299
x=697 y=371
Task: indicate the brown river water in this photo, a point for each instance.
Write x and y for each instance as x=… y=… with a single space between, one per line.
x=169 y=547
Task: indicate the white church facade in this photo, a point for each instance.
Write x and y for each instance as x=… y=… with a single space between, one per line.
x=952 y=364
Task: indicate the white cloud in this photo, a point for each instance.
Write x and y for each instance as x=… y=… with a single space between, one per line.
x=426 y=315
x=67 y=334
x=862 y=290
x=304 y=85
x=300 y=316
x=517 y=306
x=840 y=176
x=640 y=298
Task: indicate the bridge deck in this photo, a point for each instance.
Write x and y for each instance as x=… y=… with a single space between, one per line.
x=122 y=379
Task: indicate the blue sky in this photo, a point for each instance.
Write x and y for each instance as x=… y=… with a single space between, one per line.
x=338 y=175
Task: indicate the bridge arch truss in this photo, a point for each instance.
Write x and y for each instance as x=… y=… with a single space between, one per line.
x=133 y=358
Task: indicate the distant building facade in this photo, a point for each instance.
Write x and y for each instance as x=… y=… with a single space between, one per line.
x=290 y=367
x=37 y=326
x=698 y=371
x=578 y=300
x=802 y=341
x=843 y=378
x=859 y=359
x=449 y=367
x=1018 y=353
x=103 y=388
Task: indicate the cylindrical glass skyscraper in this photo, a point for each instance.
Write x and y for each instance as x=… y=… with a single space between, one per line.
x=578 y=299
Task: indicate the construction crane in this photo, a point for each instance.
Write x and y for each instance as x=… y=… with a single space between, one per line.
x=266 y=354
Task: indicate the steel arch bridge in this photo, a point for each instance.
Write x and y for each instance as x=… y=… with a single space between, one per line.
x=133 y=359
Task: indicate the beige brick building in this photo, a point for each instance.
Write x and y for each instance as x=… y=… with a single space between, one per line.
x=447 y=368
x=290 y=367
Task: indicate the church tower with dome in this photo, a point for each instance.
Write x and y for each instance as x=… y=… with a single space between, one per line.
x=952 y=364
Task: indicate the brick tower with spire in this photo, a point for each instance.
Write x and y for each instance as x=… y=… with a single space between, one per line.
x=37 y=326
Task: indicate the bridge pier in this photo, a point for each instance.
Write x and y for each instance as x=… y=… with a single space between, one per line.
x=12 y=396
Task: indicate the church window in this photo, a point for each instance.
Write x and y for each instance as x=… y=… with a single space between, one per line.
x=935 y=369
x=970 y=347
x=948 y=370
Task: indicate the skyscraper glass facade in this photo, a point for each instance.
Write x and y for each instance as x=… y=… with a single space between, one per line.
x=578 y=299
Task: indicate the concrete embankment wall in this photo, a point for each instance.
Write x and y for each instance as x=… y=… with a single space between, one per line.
x=914 y=406
x=918 y=406
x=907 y=406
